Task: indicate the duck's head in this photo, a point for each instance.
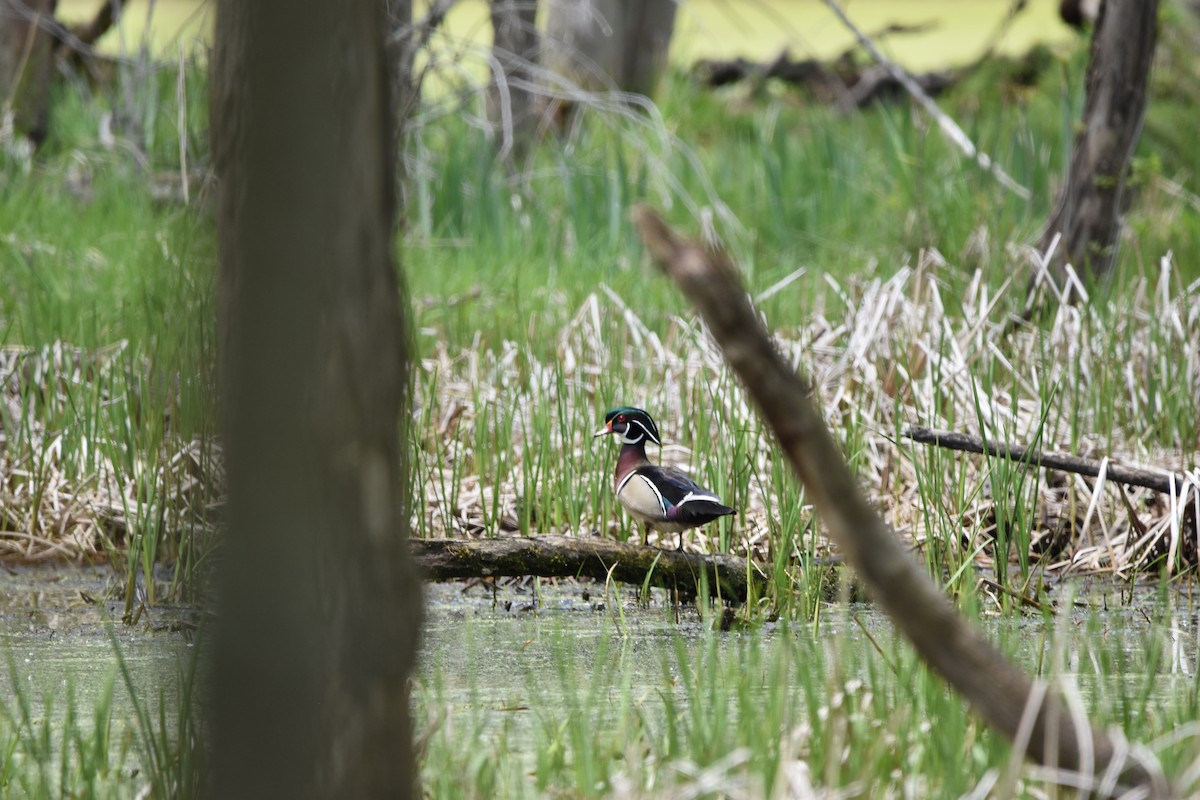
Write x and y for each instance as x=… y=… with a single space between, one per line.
x=632 y=424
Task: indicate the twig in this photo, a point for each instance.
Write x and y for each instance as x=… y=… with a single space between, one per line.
x=1018 y=596
x=996 y=688
x=949 y=127
x=1158 y=480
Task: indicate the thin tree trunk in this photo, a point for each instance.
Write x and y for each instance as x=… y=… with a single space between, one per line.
x=511 y=101
x=26 y=64
x=319 y=603
x=610 y=44
x=405 y=96
x=649 y=26
x=1088 y=213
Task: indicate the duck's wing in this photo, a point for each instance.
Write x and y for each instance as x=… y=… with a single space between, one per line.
x=681 y=498
x=638 y=493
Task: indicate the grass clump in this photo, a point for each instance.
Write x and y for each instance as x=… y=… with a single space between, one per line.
x=889 y=269
x=107 y=420
x=842 y=706
x=122 y=743
x=884 y=261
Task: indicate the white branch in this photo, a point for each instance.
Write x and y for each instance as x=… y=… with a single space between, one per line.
x=949 y=127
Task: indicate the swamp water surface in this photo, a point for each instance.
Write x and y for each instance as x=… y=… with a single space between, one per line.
x=528 y=660
x=516 y=670
x=59 y=641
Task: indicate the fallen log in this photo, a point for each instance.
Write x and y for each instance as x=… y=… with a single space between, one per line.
x=842 y=82
x=728 y=577
x=1160 y=480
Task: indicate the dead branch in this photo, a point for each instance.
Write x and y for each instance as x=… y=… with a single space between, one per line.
x=841 y=82
x=1160 y=480
x=87 y=33
x=948 y=126
x=75 y=44
x=999 y=691
x=570 y=556
x=831 y=81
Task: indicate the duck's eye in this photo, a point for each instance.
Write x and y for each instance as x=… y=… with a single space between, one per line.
x=620 y=418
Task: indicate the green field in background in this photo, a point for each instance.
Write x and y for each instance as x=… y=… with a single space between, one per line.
x=756 y=29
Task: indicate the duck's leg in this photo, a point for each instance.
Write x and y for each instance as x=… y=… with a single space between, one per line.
x=646 y=534
x=680 y=548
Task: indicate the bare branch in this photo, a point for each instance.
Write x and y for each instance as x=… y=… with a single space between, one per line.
x=1160 y=480
x=949 y=127
x=999 y=691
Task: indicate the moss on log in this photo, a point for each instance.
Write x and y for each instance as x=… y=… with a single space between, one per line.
x=728 y=577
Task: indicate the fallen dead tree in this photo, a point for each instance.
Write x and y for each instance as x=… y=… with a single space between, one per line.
x=847 y=82
x=842 y=82
x=727 y=577
x=1030 y=714
x=1169 y=544
x=1160 y=480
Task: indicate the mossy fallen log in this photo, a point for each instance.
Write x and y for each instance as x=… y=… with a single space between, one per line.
x=728 y=577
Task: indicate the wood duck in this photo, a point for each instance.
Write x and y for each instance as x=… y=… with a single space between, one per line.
x=661 y=498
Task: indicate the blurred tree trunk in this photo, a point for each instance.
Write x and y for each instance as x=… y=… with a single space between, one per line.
x=1079 y=13
x=604 y=44
x=319 y=604
x=26 y=64
x=511 y=101
x=1089 y=208
x=401 y=53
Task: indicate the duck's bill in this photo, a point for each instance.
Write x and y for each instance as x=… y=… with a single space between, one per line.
x=607 y=429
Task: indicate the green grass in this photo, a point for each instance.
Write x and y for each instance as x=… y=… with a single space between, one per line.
x=888 y=268
x=843 y=705
x=109 y=316
x=133 y=746
x=536 y=311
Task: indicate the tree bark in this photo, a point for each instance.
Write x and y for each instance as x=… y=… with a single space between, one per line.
x=648 y=29
x=26 y=64
x=1088 y=213
x=728 y=577
x=512 y=104
x=319 y=602
x=405 y=95
x=996 y=688
x=610 y=44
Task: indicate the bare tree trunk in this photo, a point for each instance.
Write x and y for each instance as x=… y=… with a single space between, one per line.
x=1089 y=209
x=319 y=603
x=26 y=63
x=511 y=101
x=648 y=29
x=401 y=53
x=605 y=44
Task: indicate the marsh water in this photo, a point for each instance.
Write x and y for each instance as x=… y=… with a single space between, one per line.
x=494 y=655
x=62 y=641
